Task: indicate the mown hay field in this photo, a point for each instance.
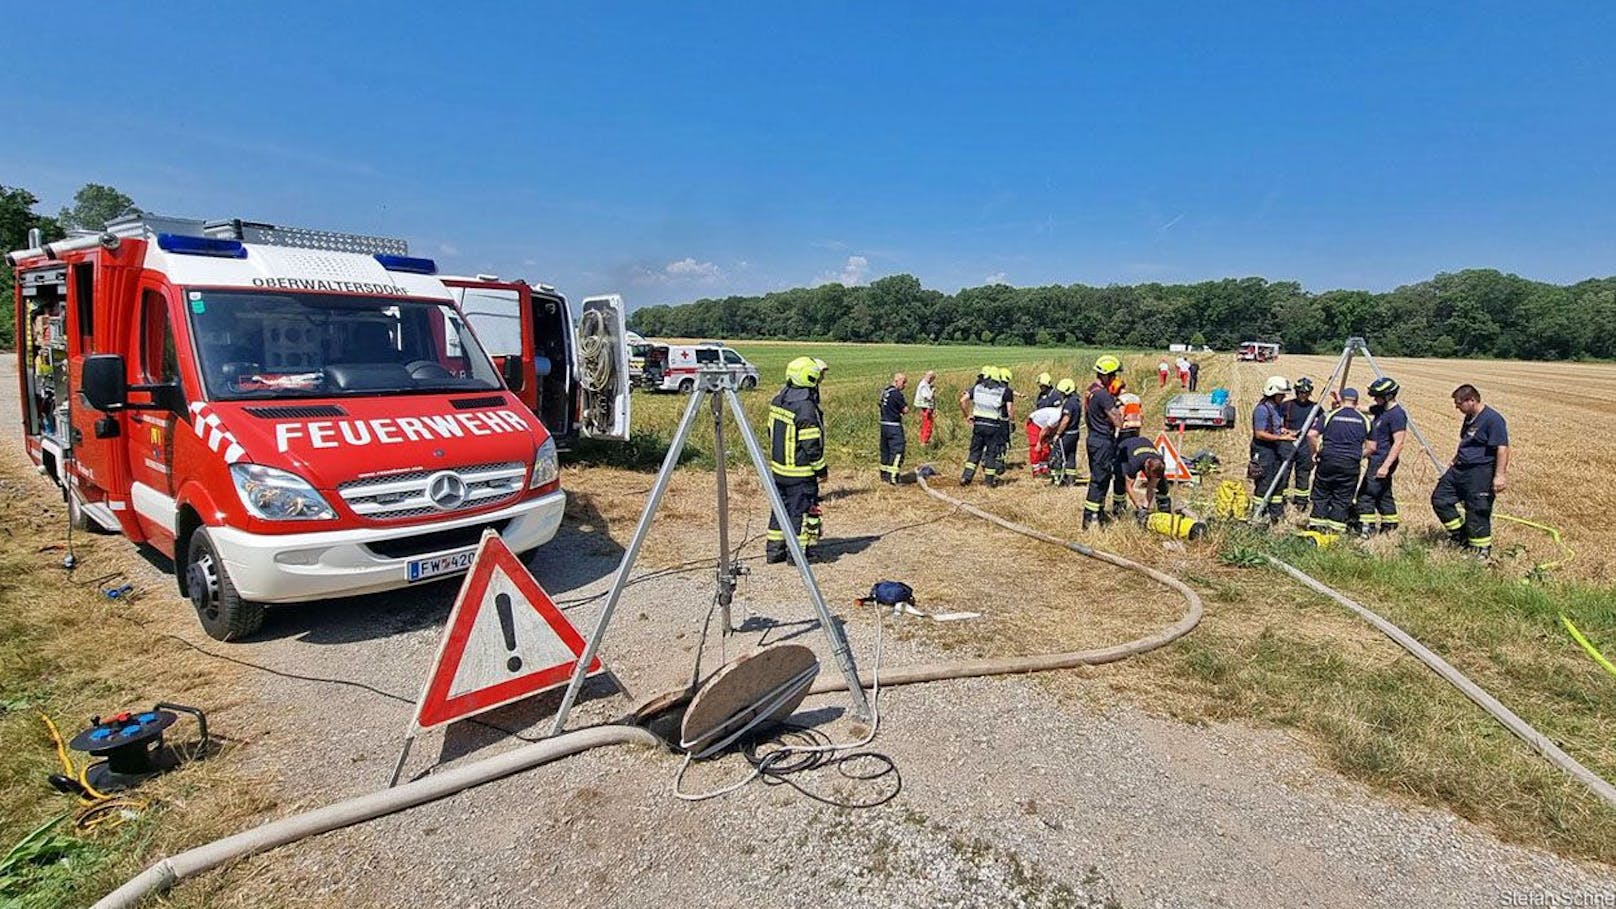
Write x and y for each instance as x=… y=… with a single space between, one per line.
x=1268 y=651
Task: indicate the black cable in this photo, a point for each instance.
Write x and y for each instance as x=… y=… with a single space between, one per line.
x=778 y=766
x=317 y=679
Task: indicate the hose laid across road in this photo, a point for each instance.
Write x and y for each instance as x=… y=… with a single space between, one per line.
x=962 y=669
x=358 y=809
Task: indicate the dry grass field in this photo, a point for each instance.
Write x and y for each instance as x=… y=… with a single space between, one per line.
x=1268 y=651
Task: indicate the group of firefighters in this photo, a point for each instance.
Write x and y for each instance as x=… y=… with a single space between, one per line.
x=1318 y=454
x=1309 y=456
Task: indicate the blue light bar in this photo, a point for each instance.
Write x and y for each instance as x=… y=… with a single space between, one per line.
x=412 y=264
x=201 y=246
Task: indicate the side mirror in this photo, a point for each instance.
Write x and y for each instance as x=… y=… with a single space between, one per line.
x=510 y=369
x=103 y=381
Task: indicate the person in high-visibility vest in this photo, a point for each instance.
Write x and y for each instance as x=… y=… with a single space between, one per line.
x=796 y=455
x=988 y=407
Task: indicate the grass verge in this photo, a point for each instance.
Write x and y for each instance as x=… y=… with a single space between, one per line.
x=64 y=652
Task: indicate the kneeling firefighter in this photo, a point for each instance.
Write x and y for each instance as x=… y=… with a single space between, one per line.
x=797 y=456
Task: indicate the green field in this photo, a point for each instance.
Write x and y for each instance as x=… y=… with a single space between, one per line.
x=852 y=387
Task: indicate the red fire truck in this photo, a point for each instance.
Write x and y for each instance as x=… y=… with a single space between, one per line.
x=290 y=414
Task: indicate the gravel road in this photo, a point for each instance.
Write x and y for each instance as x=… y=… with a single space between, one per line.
x=1010 y=796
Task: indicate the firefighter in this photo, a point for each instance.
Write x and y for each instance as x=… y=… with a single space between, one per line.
x=1144 y=472
x=1342 y=440
x=987 y=407
x=893 y=407
x=1267 y=433
x=1006 y=377
x=1377 y=508
x=1104 y=416
x=1478 y=472
x=796 y=455
x=1048 y=396
x=1299 y=479
x=1065 y=436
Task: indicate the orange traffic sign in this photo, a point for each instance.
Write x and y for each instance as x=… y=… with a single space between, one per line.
x=505 y=640
x=1177 y=469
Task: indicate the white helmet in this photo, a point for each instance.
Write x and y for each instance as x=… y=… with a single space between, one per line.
x=1276 y=385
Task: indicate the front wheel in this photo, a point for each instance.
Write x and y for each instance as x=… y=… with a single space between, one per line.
x=748 y=383
x=224 y=615
x=686 y=386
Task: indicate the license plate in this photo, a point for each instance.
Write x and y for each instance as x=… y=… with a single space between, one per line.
x=421 y=569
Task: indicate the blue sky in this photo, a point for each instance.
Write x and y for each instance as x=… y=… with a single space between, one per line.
x=670 y=151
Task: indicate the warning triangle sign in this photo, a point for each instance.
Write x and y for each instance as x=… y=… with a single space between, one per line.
x=505 y=640
x=1176 y=468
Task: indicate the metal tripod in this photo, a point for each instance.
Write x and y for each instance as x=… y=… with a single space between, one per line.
x=717 y=387
x=1338 y=379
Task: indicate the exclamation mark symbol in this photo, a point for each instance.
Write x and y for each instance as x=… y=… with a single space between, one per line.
x=507 y=625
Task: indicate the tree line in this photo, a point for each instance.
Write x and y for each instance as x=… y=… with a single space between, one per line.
x=1473 y=313
x=93 y=206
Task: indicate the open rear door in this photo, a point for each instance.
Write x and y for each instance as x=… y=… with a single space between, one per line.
x=603 y=380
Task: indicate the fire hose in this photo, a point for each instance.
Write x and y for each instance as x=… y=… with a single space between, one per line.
x=962 y=669
x=346 y=813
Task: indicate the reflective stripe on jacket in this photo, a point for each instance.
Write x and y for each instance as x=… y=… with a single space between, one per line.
x=796 y=434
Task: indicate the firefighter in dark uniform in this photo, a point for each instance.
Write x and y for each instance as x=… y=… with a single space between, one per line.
x=1377 y=507
x=1268 y=432
x=893 y=407
x=1144 y=473
x=987 y=407
x=1104 y=417
x=796 y=455
x=1048 y=396
x=1342 y=440
x=1298 y=484
x=1068 y=433
x=1478 y=472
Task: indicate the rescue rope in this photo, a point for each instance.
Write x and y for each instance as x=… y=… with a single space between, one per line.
x=1536 y=740
x=962 y=669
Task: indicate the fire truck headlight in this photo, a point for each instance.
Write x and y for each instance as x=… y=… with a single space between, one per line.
x=545 y=467
x=276 y=495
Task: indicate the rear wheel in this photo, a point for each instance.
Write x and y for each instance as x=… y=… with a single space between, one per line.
x=748 y=383
x=224 y=615
x=686 y=386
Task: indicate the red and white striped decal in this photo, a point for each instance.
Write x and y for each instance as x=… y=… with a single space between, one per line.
x=212 y=432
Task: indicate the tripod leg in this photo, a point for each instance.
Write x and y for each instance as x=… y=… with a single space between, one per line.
x=664 y=476
x=827 y=622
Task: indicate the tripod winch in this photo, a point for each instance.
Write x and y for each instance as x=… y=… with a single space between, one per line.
x=717 y=387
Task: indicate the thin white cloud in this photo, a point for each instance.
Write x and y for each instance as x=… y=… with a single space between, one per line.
x=997 y=277
x=680 y=271
x=855 y=272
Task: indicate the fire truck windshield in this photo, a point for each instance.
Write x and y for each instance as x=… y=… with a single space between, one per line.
x=263 y=344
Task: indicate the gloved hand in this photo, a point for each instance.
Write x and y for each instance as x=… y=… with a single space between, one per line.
x=1141 y=515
